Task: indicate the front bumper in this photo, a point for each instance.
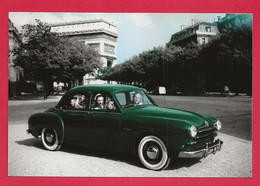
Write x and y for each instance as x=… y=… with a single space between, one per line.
x=209 y=149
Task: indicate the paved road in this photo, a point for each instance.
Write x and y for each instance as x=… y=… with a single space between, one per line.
x=27 y=157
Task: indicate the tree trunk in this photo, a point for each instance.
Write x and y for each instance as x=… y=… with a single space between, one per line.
x=48 y=88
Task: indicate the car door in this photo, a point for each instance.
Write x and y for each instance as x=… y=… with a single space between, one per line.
x=103 y=127
x=75 y=118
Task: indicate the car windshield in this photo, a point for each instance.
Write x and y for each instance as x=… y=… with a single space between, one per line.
x=133 y=98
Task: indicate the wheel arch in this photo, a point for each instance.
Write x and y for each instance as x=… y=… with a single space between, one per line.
x=46 y=120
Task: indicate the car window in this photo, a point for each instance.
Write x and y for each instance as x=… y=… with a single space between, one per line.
x=121 y=97
x=103 y=102
x=133 y=98
x=78 y=101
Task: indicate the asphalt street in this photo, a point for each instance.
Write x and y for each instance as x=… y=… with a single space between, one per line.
x=27 y=157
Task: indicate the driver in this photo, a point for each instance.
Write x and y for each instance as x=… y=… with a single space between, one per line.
x=137 y=99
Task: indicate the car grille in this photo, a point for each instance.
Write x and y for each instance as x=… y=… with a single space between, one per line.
x=205 y=135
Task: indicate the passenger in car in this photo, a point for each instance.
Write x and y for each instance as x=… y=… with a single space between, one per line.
x=99 y=102
x=73 y=101
x=81 y=103
x=110 y=105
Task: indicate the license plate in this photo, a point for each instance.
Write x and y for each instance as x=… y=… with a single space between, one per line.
x=213 y=149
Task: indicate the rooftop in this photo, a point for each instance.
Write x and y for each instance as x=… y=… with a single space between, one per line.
x=105 y=87
x=82 y=22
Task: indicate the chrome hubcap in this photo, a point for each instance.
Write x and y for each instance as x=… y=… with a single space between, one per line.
x=49 y=137
x=152 y=152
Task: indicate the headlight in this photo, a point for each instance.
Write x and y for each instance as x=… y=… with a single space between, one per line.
x=193 y=131
x=218 y=125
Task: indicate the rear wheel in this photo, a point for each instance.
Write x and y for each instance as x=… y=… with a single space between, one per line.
x=152 y=153
x=50 y=139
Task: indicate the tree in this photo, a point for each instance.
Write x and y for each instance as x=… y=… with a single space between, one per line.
x=77 y=60
x=227 y=61
x=46 y=57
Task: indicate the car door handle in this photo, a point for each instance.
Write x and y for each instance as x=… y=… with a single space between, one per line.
x=127 y=129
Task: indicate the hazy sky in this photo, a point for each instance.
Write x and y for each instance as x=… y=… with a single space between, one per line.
x=138 y=32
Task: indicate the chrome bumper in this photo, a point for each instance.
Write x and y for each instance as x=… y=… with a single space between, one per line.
x=213 y=148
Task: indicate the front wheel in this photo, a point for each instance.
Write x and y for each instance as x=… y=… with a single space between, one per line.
x=153 y=154
x=50 y=139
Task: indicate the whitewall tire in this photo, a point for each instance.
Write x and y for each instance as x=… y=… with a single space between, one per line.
x=50 y=139
x=152 y=153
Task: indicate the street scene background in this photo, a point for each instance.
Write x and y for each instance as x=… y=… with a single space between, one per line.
x=205 y=67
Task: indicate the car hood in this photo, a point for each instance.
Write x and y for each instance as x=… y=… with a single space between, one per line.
x=170 y=114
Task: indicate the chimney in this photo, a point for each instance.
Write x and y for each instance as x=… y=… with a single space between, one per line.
x=184 y=27
x=192 y=21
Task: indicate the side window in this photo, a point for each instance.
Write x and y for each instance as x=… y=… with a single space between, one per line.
x=102 y=101
x=78 y=101
x=121 y=98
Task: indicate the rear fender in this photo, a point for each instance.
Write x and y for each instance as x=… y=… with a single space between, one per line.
x=46 y=120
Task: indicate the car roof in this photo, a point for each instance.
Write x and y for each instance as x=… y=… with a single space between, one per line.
x=105 y=87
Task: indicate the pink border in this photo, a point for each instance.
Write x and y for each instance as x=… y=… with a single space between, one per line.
x=166 y=6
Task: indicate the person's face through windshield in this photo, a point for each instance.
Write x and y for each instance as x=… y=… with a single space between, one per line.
x=137 y=98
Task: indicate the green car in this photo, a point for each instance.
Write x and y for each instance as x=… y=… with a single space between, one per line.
x=124 y=118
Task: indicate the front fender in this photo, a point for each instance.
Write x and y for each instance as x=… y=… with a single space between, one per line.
x=46 y=120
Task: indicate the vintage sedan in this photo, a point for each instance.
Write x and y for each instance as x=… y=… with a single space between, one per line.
x=124 y=118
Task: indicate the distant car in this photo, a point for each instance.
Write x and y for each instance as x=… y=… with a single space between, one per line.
x=124 y=118
x=160 y=90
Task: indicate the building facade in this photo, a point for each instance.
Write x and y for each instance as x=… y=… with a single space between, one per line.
x=15 y=73
x=200 y=32
x=235 y=21
x=97 y=33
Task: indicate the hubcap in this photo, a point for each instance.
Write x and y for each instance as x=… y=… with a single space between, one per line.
x=152 y=152
x=49 y=137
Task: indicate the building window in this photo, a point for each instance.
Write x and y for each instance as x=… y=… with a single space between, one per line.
x=110 y=49
x=95 y=46
x=109 y=64
x=208 y=29
x=203 y=40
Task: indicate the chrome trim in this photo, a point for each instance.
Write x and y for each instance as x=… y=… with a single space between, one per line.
x=152 y=152
x=200 y=130
x=203 y=152
x=49 y=137
x=199 y=136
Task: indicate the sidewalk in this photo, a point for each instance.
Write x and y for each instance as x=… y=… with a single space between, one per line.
x=31 y=98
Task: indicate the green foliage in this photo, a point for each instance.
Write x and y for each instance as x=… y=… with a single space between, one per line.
x=226 y=61
x=45 y=56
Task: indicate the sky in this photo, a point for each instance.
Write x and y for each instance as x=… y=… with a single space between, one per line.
x=137 y=32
